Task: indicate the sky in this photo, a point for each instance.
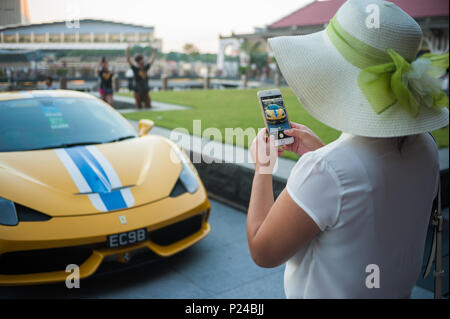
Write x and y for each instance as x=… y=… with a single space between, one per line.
x=176 y=21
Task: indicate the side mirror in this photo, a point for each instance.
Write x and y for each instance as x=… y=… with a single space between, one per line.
x=145 y=126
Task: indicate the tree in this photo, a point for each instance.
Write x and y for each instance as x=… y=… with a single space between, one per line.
x=191 y=49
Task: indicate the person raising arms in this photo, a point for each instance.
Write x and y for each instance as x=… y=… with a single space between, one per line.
x=140 y=71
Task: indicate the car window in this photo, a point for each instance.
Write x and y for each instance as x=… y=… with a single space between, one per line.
x=46 y=122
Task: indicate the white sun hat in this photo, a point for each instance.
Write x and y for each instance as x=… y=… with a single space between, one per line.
x=336 y=73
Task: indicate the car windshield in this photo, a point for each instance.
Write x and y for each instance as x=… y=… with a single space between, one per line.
x=42 y=123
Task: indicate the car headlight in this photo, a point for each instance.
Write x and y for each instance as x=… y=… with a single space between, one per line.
x=8 y=214
x=187 y=176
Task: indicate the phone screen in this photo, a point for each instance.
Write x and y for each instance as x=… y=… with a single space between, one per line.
x=275 y=115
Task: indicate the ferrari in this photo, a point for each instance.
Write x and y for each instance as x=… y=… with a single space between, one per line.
x=79 y=186
x=275 y=115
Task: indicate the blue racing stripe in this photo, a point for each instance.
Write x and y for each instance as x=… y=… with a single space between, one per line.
x=95 y=182
x=113 y=200
x=96 y=178
x=94 y=161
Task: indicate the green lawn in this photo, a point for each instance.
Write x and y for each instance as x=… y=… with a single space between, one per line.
x=235 y=109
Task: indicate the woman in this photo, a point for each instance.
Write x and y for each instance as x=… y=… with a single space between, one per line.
x=106 y=89
x=49 y=83
x=353 y=218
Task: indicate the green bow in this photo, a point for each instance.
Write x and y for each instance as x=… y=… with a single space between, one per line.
x=385 y=78
x=386 y=84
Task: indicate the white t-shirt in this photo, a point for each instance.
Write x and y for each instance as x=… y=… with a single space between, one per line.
x=373 y=205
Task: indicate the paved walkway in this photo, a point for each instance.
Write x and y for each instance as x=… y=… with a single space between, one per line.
x=126 y=104
x=156 y=106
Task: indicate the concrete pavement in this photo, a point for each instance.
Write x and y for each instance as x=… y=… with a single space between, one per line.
x=125 y=104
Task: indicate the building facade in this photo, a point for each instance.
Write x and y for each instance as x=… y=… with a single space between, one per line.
x=14 y=12
x=77 y=34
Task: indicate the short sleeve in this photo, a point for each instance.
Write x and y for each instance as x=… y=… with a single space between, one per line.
x=315 y=187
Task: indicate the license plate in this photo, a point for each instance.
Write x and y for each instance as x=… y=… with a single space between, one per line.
x=127 y=238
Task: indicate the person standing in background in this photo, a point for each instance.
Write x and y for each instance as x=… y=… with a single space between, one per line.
x=140 y=71
x=49 y=83
x=130 y=77
x=106 y=89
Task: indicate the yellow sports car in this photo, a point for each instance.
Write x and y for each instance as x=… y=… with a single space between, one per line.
x=79 y=187
x=275 y=115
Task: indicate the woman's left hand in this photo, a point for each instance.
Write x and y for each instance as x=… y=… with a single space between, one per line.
x=264 y=152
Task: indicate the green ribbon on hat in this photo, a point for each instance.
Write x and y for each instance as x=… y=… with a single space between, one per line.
x=386 y=84
x=387 y=78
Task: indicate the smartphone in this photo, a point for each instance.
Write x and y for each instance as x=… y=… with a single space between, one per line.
x=275 y=115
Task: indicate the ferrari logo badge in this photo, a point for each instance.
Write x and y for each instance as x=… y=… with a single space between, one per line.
x=124 y=257
x=123 y=220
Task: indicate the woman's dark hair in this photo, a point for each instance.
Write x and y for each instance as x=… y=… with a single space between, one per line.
x=138 y=58
x=401 y=141
x=103 y=59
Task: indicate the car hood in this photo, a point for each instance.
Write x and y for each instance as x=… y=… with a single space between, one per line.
x=90 y=179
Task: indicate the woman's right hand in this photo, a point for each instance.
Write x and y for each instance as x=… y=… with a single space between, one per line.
x=304 y=139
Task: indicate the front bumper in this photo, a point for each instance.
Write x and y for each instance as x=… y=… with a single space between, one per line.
x=87 y=235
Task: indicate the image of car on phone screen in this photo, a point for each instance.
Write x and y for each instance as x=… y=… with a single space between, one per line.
x=275 y=115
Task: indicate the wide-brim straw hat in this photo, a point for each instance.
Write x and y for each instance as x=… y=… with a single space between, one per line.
x=324 y=71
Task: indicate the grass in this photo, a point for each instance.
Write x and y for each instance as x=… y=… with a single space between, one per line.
x=235 y=109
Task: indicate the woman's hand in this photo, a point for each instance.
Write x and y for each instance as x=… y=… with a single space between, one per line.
x=304 y=140
x=264 y=152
